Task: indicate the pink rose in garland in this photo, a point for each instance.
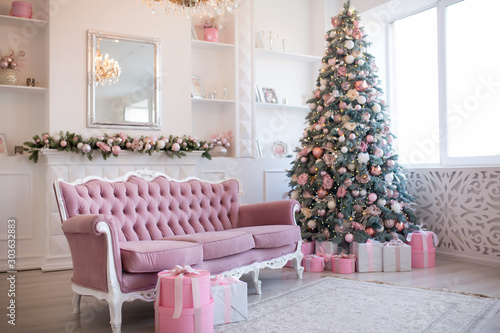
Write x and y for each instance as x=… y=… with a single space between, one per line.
x=327 y=182
x=341 y=192
x=302 y=179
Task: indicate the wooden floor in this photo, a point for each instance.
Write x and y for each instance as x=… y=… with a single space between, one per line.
x=43 y=300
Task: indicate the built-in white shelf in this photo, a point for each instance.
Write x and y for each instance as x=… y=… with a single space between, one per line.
x=204 y=45
x=282 y=106
x=6 y=19
x=23 y=89
x=287 y=56
x=212 y=101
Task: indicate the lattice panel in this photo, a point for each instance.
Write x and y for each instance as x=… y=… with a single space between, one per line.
x=462 y=206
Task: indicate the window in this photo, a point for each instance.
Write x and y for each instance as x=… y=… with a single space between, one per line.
x=446 y=83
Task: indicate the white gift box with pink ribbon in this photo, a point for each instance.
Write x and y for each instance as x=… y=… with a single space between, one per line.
x=230 y=299
x=326 y=250
x=396 y=256
x=368 y=256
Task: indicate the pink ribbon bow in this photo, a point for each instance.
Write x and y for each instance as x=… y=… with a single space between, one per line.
x=320 y=252
x=179 y=272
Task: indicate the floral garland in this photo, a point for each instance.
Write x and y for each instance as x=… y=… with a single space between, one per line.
x=107 y=145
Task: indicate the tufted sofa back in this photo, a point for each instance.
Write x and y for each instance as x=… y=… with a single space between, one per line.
x=148 y=210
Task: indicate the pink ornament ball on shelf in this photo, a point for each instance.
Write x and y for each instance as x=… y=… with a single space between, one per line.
x=63 y=143
x=116 y=150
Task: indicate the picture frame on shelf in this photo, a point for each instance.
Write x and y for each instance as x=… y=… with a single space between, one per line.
x=269 y=95
x=258 y=40
x=194 y=34
x=3 y=145
x=279 y=149
x=258 y=95
x=196 y=87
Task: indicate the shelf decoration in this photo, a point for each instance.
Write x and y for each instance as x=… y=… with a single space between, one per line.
x=220 y=143
x=112 y=145
x=211 y=27
x=9 y=65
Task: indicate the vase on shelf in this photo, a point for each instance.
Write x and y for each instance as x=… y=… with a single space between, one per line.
x=21 y=9
x=211 y=35
x=218 y=151
x=8 y=76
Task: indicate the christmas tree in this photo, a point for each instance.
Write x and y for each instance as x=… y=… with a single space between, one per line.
x=346 y=176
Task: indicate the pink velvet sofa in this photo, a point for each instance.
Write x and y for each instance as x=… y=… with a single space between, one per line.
x=122 y=232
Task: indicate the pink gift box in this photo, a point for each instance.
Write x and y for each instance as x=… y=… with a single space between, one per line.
x=166 y=297
x=314 y=264
x=421 y=240
x=326 y=250
x=307 y=249
x=187 y=321
x=423 y=258
x=211 y=35
x=343 y=265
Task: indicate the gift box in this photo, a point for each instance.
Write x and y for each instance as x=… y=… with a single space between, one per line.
x=314 y=264
x=183 y=302
x=396 y=256
x=307 y=249
x=423 y=252
x=230 y=297
x=326 y=250
x=186 y=321
x=368 y=256
x=344 y=263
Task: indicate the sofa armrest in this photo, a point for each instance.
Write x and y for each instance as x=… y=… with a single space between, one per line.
x=91 y=238
x=268 y=213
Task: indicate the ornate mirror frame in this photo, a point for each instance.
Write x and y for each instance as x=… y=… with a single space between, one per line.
x=152 y=87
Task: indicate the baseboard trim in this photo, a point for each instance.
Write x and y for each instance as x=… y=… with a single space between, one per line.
x=57 y=264
x=22 y=264
x=473 y=259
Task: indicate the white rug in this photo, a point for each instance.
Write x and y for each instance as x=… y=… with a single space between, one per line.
x=341 y=305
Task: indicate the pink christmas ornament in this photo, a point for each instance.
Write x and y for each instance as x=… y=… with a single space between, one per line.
x=369 y=138
x=340 y=216
x=342 y=170
x=317 y=152
x=391 y=163
x=116 y=150
x=355 y=193
x=372 y=197
x=349 y=238
x=342 y=105
x=86 y=148
x=352 y=136
x=322 y=193
x=337 y=118
x=63 y=143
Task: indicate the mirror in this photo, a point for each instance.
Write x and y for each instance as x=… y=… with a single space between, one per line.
x=124 y=88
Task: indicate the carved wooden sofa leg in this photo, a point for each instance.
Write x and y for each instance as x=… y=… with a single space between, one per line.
x=76 y=303
x=257 y=283
x=115 y=314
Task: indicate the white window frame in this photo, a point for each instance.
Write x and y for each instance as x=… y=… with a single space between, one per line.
x=446 y=160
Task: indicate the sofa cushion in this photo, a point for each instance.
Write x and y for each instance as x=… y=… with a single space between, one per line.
x=217 y=244
x=270 y=236
x=157 y=255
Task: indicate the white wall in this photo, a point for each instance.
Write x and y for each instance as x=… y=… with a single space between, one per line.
x=68 y=56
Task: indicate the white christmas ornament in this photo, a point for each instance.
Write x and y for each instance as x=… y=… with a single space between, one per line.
x=344 y=149
x=381 y=202
x=361 y=99
x=361 y=62
x=363 y=158
x=331 y=205
x=312 y=106
x=322 y=87
x=349 y=44
x=349 y=59
x=323 y=82
x=396 y=207
x=389 y=177
x=352 y=76
x=342 y=138
x=376 y=108
x=311 y=224
x=332 y=34
x=380 y=116
x=351 y=166
x=160 y=144
x=362 y=193
x=294 y=195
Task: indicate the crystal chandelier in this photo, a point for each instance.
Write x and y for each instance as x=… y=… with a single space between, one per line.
x=107 y=71
x=190 y=8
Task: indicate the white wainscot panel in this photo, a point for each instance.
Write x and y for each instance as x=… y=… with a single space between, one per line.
x=275 y=185
x=462 y=206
